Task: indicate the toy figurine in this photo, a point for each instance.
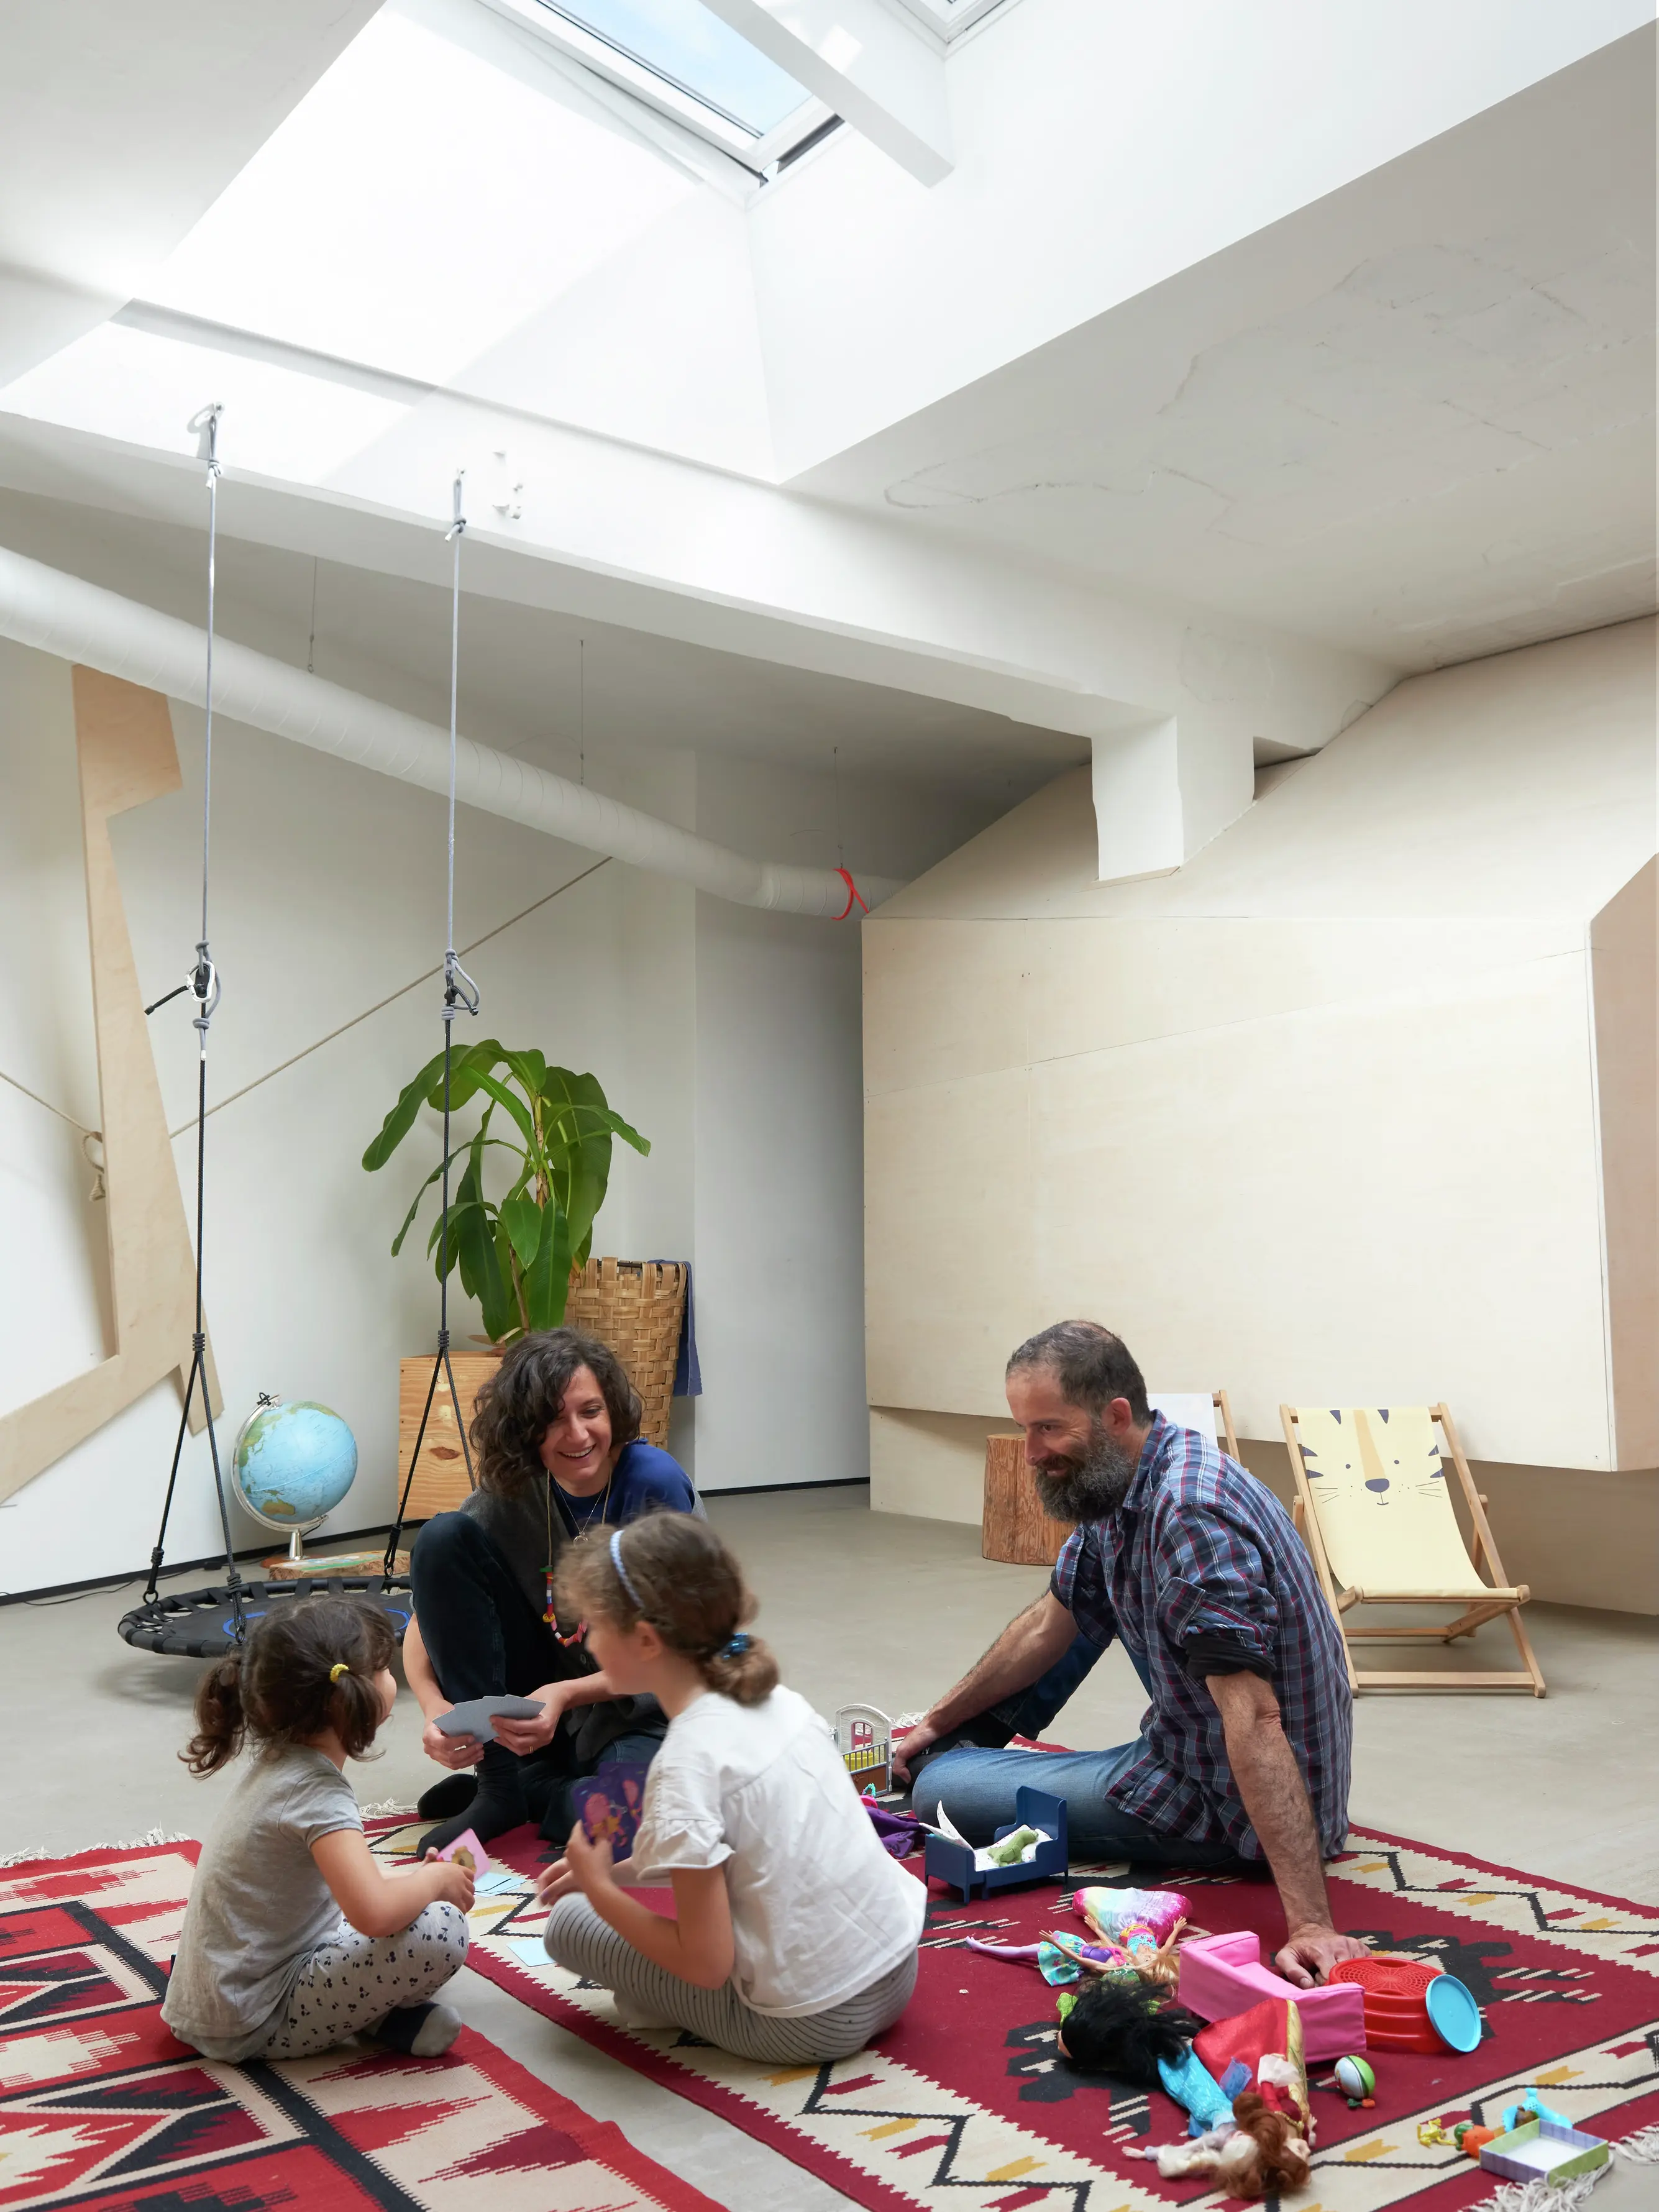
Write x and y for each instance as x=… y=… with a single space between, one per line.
x=1464 y=2136
x=1143 y=1926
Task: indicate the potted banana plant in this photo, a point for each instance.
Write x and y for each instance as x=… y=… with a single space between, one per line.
x=515 y=1252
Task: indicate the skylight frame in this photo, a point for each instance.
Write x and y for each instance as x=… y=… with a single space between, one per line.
x=952 y=18
x=663 y=95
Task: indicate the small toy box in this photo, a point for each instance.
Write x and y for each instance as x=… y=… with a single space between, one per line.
x=950 y=1859
x=864 y=1737
x=1544 y=2150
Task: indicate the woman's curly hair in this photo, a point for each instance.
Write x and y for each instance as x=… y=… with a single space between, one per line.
x=520 y=1402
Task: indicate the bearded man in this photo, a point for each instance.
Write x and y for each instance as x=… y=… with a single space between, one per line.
x=1184 y=1558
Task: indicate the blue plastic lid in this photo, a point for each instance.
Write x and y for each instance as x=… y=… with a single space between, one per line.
x=1453 y=2013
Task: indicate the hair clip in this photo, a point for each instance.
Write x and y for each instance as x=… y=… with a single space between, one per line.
x=737 y=1645
x=340 y=1667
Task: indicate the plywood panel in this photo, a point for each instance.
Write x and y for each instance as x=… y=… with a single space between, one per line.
x=1398 y=1195
x=947 y=1208
x=1099 y=984
x=1624 y=968
x=931 y=1465
x=942 y=999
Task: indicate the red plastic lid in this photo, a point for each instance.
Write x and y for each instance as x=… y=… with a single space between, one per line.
x=1386 y=1974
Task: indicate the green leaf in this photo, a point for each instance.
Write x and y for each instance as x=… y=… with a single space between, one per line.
x=435 y=1176
x=521 y=1218
x=520 y=1112
x=467 y=1065
x=547 y=1280
x=401 y=1120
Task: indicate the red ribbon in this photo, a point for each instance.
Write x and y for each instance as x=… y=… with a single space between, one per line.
x=852 y=898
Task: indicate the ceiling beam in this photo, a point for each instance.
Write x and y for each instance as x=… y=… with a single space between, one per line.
x=881 y=75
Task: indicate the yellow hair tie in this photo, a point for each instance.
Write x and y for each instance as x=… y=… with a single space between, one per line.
x=340 y=1667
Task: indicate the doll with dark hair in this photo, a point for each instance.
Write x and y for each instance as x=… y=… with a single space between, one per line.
x=1119 y=2025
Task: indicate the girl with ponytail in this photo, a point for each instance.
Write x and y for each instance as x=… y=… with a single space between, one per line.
x=296 y=1938
x=795 y=1935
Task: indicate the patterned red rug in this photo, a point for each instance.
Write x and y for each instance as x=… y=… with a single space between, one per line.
x=966 y=2105
x=101 y=2108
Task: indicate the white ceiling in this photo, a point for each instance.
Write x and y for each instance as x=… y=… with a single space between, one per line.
x=121 y=121
x=1415 y=420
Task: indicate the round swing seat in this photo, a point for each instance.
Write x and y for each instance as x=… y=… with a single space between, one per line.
x=200 y=1624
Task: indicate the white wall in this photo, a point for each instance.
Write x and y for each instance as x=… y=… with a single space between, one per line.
x=730 y=1038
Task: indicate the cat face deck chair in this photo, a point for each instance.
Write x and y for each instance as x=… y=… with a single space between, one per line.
x=1373 y=1505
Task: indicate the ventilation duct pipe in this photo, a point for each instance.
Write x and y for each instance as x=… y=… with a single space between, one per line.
x=80 y=622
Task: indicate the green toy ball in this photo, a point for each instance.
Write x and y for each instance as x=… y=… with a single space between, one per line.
x=1355 y=2079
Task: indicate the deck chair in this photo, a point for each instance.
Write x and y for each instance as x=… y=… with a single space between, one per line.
x=1373 y=1508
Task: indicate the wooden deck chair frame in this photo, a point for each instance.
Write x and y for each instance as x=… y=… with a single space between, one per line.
x=1504 y=1597
x=1229 y=1434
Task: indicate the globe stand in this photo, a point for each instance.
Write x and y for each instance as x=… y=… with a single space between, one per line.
x=319 y=1566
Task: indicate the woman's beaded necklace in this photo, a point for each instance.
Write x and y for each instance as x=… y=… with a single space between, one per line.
x=573 y=1529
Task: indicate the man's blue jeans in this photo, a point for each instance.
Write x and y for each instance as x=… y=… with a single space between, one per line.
x=1030 y=1712
x=977 y=1787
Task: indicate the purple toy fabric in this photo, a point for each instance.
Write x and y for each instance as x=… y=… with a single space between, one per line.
x=900 y=1833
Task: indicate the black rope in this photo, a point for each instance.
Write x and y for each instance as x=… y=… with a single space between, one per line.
x=203 y=986
x=460 y=990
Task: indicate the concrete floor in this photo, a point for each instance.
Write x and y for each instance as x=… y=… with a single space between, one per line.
x=869 y=1605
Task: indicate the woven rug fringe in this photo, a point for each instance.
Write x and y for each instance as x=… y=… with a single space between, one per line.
x=1539 y=2197
x=151 y=1836
x=1641 y=2149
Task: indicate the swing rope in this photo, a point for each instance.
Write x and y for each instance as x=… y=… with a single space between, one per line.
x=203 y=986
x=460 y=990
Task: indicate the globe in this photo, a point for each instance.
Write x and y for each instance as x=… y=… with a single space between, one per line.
x=292 y=1464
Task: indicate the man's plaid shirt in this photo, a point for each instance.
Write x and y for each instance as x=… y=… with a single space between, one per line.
x=1201 y=1550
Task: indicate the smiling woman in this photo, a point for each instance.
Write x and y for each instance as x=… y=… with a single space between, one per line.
x=557 y=1434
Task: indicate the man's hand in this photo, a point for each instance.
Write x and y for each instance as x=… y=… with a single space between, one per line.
x=452 y=1751
x=524 y=1736
x=1312 y=1951
x=911 y=1744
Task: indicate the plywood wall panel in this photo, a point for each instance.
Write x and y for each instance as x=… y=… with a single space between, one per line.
x=1624 y=967
x=1234 y=1217
x=943 y=999
x=948 y=1201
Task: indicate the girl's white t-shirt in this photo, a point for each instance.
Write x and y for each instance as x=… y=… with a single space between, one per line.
x=819 y=1909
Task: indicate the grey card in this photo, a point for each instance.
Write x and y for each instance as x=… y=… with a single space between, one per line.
x=475 y=1715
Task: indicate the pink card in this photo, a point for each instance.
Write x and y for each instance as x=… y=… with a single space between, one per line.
x=466 y=1850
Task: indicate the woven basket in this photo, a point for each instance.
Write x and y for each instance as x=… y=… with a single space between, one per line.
x=633 y=1306
x=636 y=1306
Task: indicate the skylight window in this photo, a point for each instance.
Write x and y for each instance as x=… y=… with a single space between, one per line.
x=688 y=47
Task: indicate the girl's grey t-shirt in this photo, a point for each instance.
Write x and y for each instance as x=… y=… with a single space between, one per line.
x=258 y=1906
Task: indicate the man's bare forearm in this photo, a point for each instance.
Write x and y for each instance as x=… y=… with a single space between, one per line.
x=1270 y=1783
x=1024 y=1652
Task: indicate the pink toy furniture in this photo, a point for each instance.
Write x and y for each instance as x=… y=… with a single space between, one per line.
x=1221 y=1975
